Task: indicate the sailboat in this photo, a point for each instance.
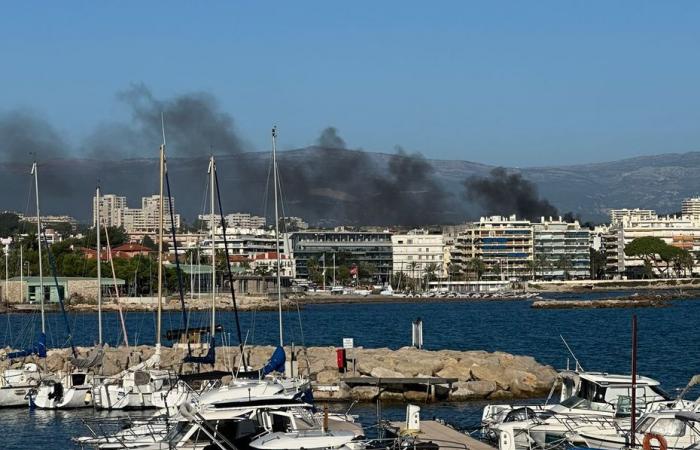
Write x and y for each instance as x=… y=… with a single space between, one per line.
x=64 y=389
x=135 y=387
x=15 y=384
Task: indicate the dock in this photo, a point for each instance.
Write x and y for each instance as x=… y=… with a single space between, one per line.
x=444 y=436
x=401 y=384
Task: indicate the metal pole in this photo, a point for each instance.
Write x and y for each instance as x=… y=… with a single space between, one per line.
x=35 y=171
x=160 y=249
x=212 y=226
x=99 y=267
x=633 y=415
x=277 y=232
x=7 y=270
x=21 y=272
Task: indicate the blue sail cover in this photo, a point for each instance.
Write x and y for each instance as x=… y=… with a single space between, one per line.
x=39 y=349
x=209 y=358
x=276 y=362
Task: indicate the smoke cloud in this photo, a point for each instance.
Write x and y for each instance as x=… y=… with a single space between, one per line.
x=329 y=138
x=506 y=193
x=328 y=184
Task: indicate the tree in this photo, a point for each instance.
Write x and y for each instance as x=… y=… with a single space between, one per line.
x=117 y=236
x=598 y=263
x=149 y=242
x=564 y=264
x=9 y=224
x=654 y=252
x=477 y=266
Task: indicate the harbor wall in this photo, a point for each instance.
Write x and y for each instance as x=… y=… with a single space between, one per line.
x=476 y=374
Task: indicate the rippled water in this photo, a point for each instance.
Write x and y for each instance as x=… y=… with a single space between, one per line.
x=600 y=338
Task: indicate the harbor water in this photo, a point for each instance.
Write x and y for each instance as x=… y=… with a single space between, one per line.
x=600 y=339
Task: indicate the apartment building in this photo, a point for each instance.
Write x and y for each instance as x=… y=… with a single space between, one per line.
x=417 y=252
x=146 y=219
x=503 y=244
x=111 y=210
x=561 y=250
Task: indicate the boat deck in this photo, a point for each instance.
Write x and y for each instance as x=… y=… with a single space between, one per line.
x=446 y=437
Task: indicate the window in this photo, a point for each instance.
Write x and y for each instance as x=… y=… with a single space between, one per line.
x=669 y=427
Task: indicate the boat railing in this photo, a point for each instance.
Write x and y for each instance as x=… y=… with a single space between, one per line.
x=123 y=430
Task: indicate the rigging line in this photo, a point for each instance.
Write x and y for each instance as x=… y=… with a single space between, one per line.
x=60 y=293
x=177 y=261
x=303 y=340
x=228 y=268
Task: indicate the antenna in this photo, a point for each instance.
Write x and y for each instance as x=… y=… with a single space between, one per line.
x=578 y=364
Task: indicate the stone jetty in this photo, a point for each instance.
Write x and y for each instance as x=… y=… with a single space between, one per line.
x=478 y=374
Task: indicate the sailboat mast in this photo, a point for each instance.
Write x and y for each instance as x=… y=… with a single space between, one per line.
x=160 y=248
x=277 y=232
x=212 y=227
x=35 y=172
x=99 y=266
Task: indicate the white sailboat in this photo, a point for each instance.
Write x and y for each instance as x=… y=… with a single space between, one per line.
x=16 y=384
x=63 y=390
x=135 y=387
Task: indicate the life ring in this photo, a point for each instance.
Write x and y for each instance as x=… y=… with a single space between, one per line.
x=648 y=437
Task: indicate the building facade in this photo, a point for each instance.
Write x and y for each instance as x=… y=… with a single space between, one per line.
x=146 y=219
x=359 y=247
x=504 y=245
x=111 y=210
x=561 y=250
x=417 y=253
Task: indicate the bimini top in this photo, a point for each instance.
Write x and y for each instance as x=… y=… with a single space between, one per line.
x=606 y=379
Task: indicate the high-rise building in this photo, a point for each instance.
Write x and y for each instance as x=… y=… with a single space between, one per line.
x=146 y=219
x=503 y=245
x=416 y=253
x=561 y=250
x=691 y=208
x=617 y=215
x=111 y=208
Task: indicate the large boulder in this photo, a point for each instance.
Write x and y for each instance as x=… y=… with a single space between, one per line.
x=381 y=372
x=327 y=377
x=472 y=390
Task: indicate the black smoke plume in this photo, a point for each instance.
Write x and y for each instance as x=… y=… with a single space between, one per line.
x=330 y=138
x=327 y=184
x=506 y=193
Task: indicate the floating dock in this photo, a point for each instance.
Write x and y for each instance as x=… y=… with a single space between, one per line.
x=444 y=436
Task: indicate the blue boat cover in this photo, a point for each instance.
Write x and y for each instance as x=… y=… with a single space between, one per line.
x=39 y=349
x=209 y=358
x=276 y=362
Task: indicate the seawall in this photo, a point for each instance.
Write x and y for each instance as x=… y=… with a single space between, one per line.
x=478 y=374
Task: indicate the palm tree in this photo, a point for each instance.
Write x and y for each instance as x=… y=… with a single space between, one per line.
x=564 y=263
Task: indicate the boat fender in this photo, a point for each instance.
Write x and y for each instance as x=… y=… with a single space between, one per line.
x=663 y=445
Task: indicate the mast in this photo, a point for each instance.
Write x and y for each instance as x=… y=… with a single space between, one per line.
x=99 y=267
x=212 y=227
x=277 y=232
x=35 y=172
x=160 y=248
x=21 y=271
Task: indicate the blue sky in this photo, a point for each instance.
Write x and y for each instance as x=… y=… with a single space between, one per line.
x=508 y=83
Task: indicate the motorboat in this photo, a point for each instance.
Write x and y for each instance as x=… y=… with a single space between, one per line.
x=587 y=399
x=675 y=429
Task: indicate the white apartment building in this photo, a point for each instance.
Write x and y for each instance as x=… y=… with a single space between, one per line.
x=617 y=215
x=561 y=249
x=503 y=244
x=235 y=220
x=146 y=219
x=268 y=262
x=691 y=208
x=111 y=209
x=415 y=252
x=244 y=242
x=681 y=232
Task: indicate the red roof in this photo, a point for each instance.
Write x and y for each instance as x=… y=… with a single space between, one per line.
x=268 y=255
x=131 y=248
x=238 y=258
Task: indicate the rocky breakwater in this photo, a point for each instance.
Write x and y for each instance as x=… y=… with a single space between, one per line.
x=479 y=374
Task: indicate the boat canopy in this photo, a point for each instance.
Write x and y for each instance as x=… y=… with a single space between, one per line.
x=39 y=349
